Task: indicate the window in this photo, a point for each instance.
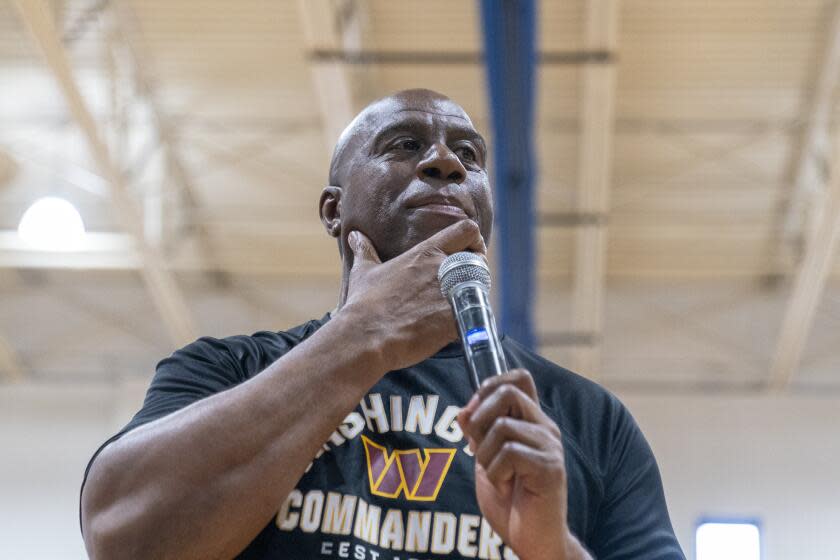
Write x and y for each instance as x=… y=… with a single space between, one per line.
x=726 y=539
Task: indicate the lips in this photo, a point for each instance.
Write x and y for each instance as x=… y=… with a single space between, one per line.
x=440 y=205
x=447 y=209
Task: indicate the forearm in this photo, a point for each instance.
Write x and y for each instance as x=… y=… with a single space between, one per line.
x=561 y=547
x=564 y=547
x=201 y=483
x=575 y=550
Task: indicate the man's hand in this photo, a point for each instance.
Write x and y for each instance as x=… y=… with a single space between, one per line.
x=398 y=303
x=520 y=472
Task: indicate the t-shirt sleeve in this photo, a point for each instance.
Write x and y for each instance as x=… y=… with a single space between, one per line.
x=633 y=521
x=203 y=368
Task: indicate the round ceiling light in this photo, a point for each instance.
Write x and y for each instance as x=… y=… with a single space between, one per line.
x=52 y=224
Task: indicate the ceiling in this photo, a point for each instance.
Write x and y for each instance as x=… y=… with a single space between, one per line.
x=211 y=112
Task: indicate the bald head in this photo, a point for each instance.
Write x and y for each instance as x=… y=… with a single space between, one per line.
x=408 y=166
x=372 y=117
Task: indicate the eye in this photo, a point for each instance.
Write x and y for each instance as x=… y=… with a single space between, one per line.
x=408 y=144
x=466 y=153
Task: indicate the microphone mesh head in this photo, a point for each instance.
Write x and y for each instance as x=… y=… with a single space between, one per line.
x=463 y=267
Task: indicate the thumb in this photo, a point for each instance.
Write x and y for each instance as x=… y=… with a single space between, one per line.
x=363 y=249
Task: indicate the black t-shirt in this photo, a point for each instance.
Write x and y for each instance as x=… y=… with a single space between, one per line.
x=395 y=480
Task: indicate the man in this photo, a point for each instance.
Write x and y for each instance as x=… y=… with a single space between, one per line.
x=408 y=463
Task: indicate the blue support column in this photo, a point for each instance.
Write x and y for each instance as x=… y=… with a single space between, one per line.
x=510 y=54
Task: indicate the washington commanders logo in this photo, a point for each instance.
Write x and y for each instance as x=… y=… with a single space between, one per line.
x=406 y=471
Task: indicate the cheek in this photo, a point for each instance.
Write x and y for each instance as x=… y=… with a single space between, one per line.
x=389 y=181
x=374 y=198
x=382 y=194
x=487 y=193
x=483 y=199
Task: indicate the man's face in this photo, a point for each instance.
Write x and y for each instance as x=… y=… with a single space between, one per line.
x=417 y=165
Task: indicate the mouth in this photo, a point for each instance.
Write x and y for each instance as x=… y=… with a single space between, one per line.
x=440 y=205
x=448 y=209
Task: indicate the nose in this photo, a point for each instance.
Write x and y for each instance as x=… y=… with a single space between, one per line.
x=442 y=163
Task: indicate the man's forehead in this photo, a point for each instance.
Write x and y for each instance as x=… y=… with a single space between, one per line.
x=409 y=110
x=417 y=120
x=390 y=112
x=395 y=108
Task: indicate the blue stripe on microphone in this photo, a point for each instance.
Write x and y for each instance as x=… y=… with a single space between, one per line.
x=475 y=336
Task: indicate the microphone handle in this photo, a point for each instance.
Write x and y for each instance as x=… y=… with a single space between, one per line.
x=482 y=349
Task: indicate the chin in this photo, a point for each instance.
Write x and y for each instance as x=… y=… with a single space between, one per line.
x=432 y=223
x=419 y=230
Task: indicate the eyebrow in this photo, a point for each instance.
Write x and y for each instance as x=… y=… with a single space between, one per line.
x=419 y=125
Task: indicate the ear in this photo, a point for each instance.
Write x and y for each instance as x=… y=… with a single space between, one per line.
x=329 y=208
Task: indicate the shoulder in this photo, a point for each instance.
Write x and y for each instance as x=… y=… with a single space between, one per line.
x=590 y=415
x=612 y=471
x=568 y=390
x=241 y=356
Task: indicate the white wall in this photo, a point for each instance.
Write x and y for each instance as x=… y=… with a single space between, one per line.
x=775 y=458
x=47 y=435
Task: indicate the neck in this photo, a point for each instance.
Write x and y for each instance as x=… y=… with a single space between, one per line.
x=346 y=266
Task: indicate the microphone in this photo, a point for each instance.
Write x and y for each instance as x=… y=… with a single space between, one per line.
x=465 y=281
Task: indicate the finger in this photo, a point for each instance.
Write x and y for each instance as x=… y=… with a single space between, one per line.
x=472 y=404
x=506 y=400
x=507 y=429
x=539 y=469
x=363 y=249
x=518 y=377
x=460 y=236
x=465 y=413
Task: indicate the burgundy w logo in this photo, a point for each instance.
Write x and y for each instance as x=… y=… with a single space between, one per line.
x=405 y=471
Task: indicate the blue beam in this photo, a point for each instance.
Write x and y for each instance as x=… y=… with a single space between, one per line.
x=509 y=28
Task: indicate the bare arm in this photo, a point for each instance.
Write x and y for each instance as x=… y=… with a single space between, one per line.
x=203 y=482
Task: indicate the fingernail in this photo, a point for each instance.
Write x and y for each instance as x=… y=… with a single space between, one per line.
x=353 y=240
x=473 y=401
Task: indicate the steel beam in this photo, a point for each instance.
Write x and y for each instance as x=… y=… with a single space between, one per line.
x=509 y=30
x=597 y=108
x=98 y=251
x=449 y=58
x=162 y=287
x=125 y=23
x=322 y=22
x=809 y=284
x=799 y=207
